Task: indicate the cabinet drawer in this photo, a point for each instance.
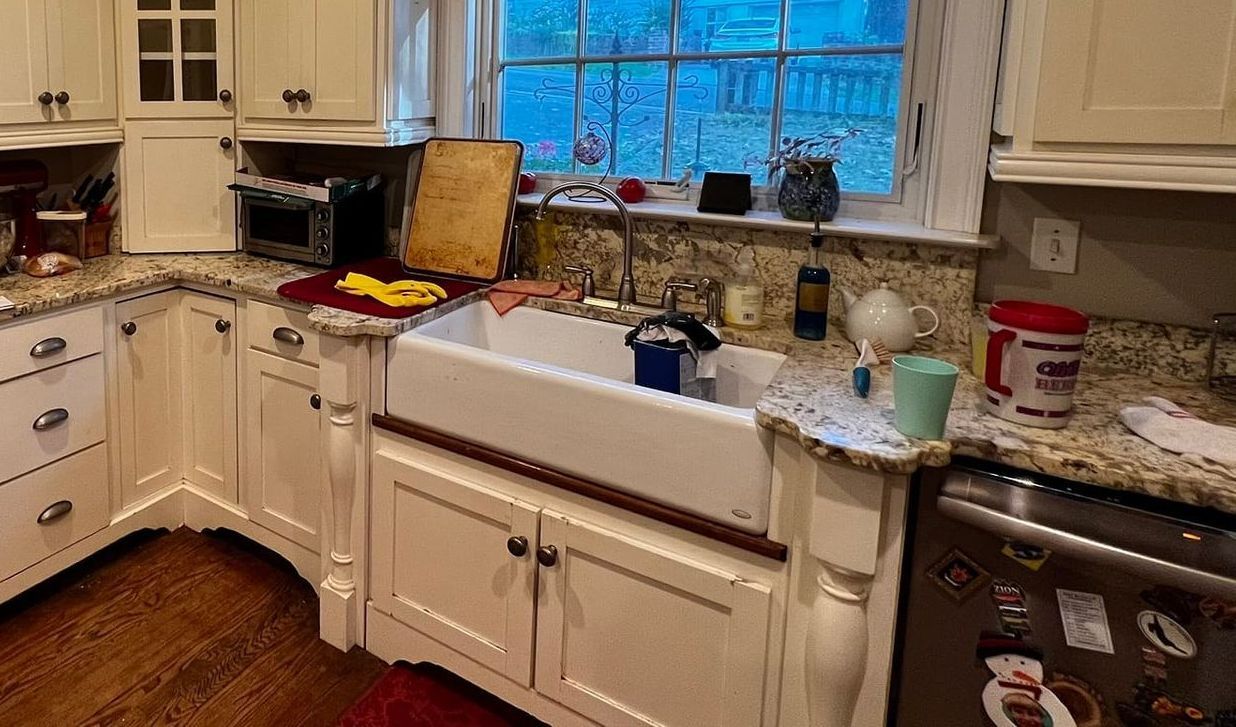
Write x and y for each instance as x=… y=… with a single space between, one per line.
x=80 y=481
x=50 y=414
x=50 y=341
x=283 y=332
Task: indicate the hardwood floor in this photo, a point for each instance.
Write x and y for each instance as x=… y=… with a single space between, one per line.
x=175 y=628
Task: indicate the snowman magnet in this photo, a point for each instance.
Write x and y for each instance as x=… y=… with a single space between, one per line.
x=1016 y=695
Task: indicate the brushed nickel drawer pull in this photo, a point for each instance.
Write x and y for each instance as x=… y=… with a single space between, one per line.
x=48 y=346
x=54 y=511
x=287 y=335
x=51 y=418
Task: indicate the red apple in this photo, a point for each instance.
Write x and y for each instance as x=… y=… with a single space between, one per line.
x=632 y=190
x=527 y=182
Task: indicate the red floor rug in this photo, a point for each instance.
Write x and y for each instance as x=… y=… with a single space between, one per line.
x=429 y=696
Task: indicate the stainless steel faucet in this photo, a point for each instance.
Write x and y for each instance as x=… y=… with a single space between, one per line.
x=626 y=287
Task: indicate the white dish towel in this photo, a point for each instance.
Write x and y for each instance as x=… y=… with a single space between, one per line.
x=1208 y=445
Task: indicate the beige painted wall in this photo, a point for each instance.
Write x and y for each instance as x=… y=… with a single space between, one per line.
x=1164 y=257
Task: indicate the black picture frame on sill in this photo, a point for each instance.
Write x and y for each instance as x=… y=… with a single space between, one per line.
x=725 y=193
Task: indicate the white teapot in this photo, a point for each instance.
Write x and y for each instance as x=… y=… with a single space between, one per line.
x=883 y=314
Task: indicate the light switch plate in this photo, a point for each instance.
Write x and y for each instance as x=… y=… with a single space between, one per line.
x=1053 y=246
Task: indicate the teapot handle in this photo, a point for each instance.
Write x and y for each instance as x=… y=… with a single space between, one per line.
x=934 y=316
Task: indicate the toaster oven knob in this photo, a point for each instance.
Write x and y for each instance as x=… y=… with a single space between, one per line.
x=323 y=249
x=323 y=233
x=323 y=215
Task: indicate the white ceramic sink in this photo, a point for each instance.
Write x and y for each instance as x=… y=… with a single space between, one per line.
x=559 y=390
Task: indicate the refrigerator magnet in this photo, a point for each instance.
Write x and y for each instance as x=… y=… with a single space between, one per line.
x=958 y=575
x=1082 y=700
x=1031 y=556
x=1016 y=694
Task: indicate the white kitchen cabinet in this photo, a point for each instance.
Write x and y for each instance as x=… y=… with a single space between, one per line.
x=148 y=368
x=336 y=71
x=59 y=80
x=620 y=630
x=455 y=560
x=632 y=634
x=209 y=366
x=175 y=191
x=283 y=460
x=1125 y=93
x=23 y=56
x=178 y=58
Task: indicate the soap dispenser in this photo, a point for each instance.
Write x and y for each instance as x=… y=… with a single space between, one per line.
x=744 y=294
x=811 y=298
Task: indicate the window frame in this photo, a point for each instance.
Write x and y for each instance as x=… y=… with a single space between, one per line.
x=925 y=20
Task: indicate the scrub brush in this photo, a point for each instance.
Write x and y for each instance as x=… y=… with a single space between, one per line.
x=867 y=358
x=881 y=351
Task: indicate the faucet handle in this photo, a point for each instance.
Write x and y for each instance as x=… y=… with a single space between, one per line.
x=710 y=289
x=669 y=296
x=589 y=285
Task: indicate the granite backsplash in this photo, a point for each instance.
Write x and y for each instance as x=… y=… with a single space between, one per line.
x=940 y=277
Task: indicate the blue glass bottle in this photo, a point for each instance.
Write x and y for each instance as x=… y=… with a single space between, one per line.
x=811 y=299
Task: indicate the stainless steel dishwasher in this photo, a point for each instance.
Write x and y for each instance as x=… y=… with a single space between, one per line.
x=1033 y=601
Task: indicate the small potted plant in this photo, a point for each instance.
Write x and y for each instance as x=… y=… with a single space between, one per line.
x=808 y=188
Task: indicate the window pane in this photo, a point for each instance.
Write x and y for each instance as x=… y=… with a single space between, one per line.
x=154 y=36
x=197 y=4
x=538 y=108
x=197 y=36
x=155 y=80
x=728 y=25
x=199 y=80
x=154 y=4
x=627 y=102
x=722 y=115
x=816 y=24
x=835 y=93
x=628 y=26
x=540 y=28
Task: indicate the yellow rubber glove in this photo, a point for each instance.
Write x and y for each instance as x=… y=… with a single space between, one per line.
x=399 y=294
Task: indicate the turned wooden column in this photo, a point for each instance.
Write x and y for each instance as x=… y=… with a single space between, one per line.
x=837 y=643
x=343 y=370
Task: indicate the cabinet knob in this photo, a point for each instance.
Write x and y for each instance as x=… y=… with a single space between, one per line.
x=547 y=555
x=517 y=546
x=302 y=95
x=289 y=95
x=223 y=326
x=62 y=98
x=54 y=511
x=315 y=401
x=225 y=95
x=46 y=98
x=128 y=328
x=225 y=142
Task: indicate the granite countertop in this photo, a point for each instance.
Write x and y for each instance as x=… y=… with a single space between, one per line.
x=261 y=277
x=810 y=399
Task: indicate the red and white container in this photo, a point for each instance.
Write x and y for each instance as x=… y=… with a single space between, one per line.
x=1034 y=351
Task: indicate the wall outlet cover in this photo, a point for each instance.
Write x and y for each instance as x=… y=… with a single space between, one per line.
x=1053 y=245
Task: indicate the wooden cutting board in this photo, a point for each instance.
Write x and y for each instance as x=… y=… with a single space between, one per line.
x=462 y=207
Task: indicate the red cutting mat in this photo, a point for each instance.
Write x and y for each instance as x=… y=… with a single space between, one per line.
x=320 y=289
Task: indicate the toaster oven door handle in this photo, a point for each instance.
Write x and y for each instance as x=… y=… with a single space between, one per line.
x=287 y=335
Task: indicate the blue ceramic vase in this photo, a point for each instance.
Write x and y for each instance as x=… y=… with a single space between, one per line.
x=809 y=192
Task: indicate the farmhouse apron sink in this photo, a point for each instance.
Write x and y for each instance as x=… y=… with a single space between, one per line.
x=559 y=390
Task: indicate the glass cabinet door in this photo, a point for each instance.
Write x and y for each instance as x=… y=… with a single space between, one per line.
x=180 y=58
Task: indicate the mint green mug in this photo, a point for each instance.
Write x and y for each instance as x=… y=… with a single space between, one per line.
x=922 y=393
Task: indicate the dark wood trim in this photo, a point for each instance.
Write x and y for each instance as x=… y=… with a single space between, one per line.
x=640 y=506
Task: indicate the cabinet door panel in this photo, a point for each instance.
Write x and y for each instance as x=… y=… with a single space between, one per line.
x=442 y=566
x=209 y=365
x=283 y=458
x=339 y=57
x=1112 y=73
x=271 y=52
x=177 y=61
x=177 y=198
x=148 y=368
x=23 y=56
x=628 y=634
x=81 y=51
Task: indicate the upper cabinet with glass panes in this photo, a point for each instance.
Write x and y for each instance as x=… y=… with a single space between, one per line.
x=178 y=58
x=706 y=84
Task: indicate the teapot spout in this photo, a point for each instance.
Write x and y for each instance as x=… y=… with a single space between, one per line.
x=847 y=298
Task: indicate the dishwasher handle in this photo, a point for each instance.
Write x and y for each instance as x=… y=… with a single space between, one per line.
x=1155 y=570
